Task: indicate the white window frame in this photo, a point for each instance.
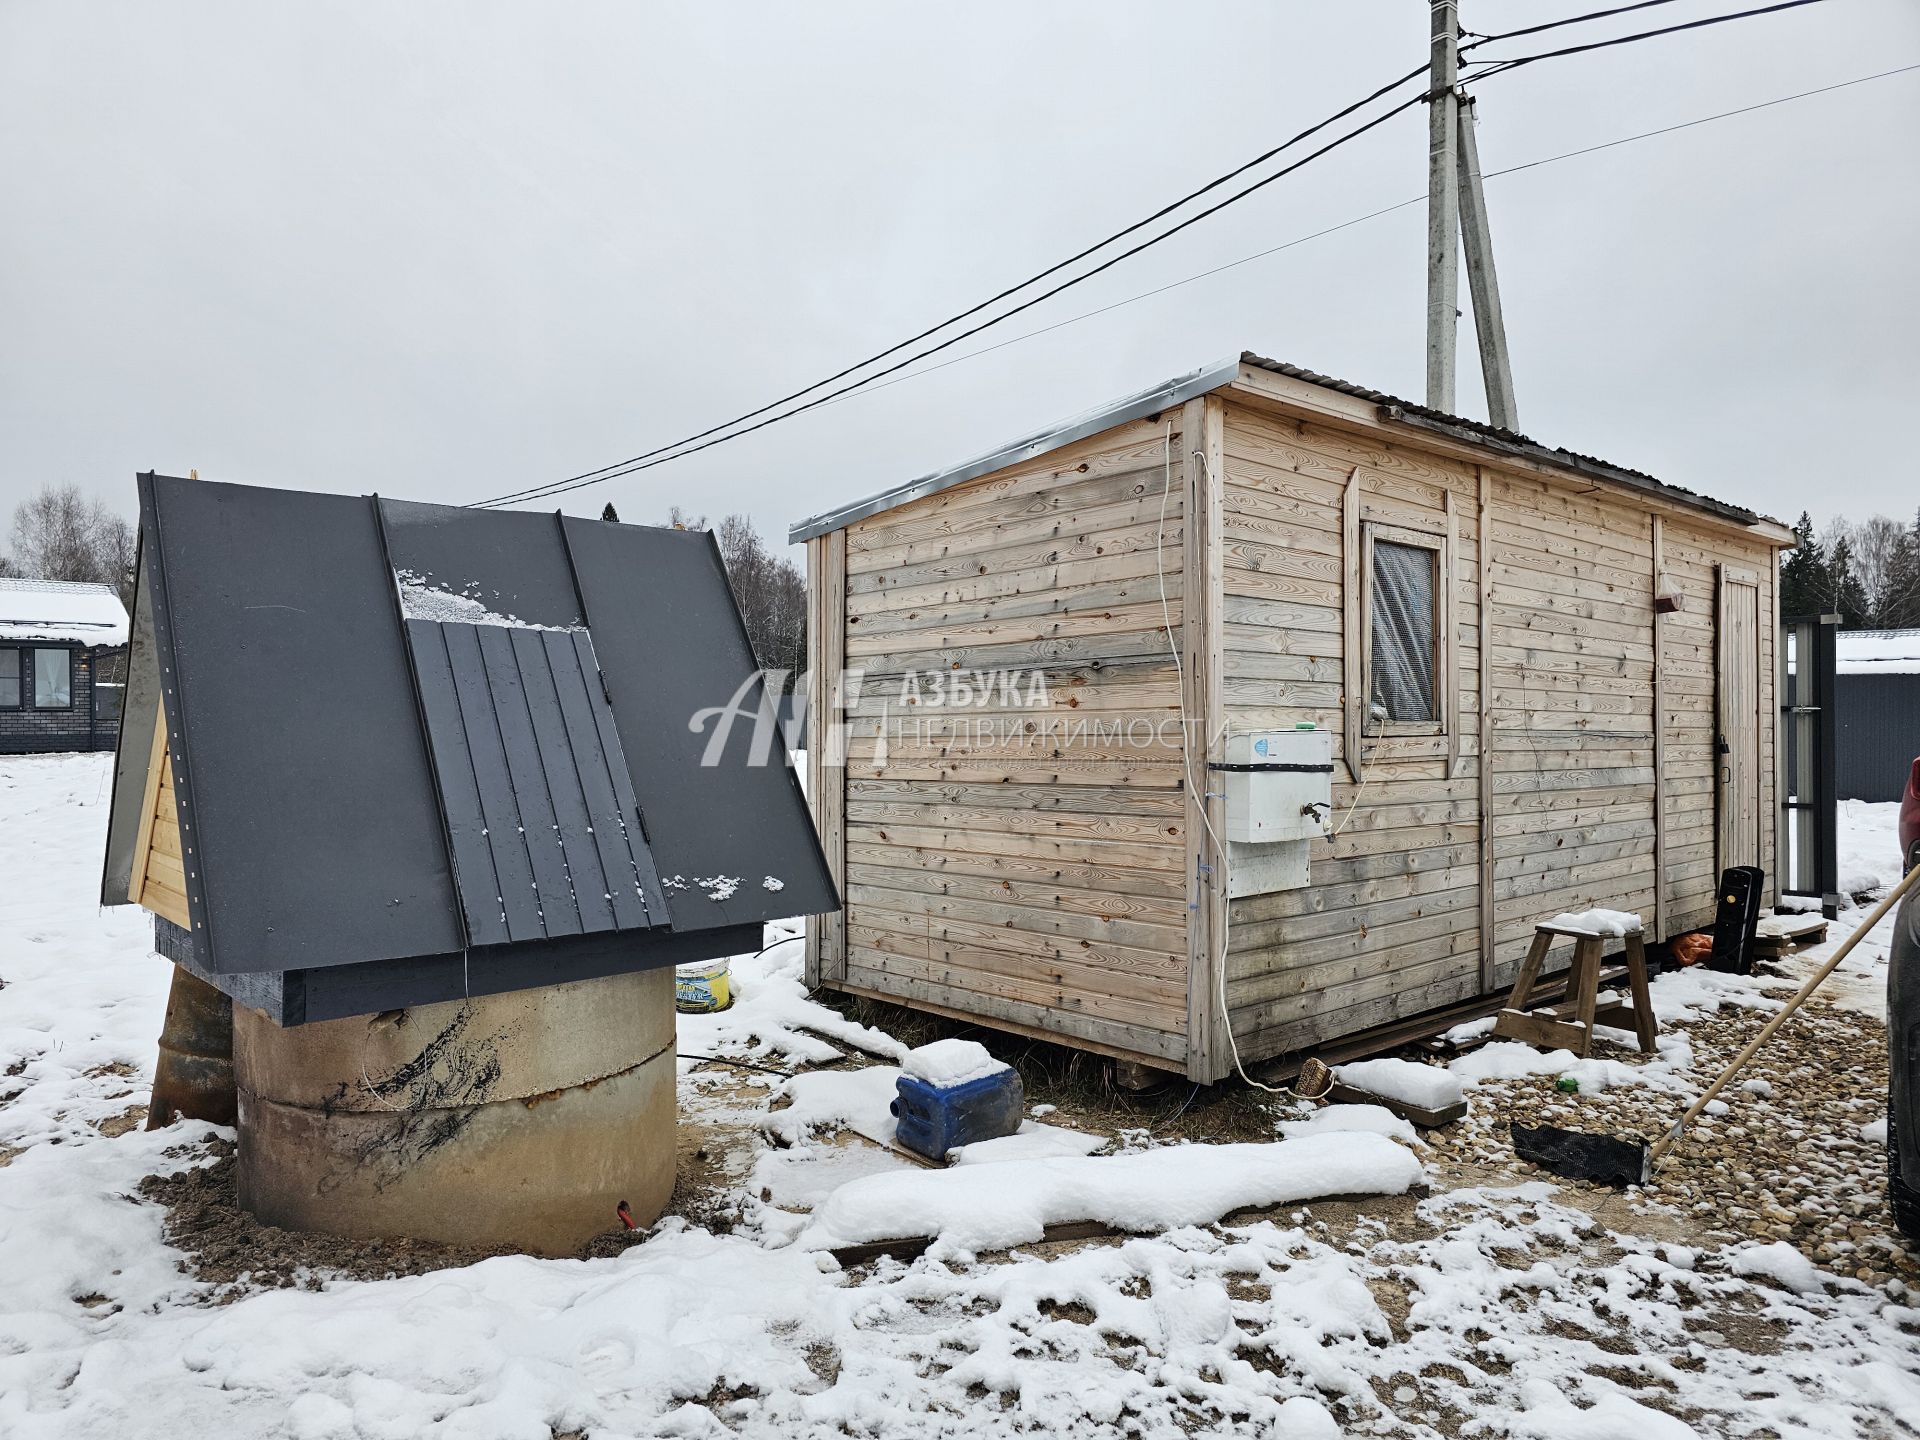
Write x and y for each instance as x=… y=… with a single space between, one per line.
x=1443 y=636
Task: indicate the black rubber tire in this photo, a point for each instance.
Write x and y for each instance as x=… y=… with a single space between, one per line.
x=1902 y=1198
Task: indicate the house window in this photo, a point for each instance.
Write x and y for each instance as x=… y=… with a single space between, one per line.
x=9 y=677
x=1405 y=615
x=1403 y=628
x=52 y=679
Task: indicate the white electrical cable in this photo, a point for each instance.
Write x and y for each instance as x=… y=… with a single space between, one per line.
x=1219 y=868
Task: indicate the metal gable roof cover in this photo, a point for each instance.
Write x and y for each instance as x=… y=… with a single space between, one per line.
x=1182 y=388
x=407 y=732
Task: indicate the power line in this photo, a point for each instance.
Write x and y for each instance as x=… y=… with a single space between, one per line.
x=1375 y=215
x=657 y=457
x=1161 y=213
x=609 y=471
x=1556 y=24
x=711 y=436
x=1500 y=67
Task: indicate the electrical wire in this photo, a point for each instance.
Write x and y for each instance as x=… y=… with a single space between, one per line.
x=601 y=472
x=1557 y=24
x=679 y=453
x=711 y=436
x=1500 y=67
x=1375 y=215
x=1210 y=877
x=1161 y=213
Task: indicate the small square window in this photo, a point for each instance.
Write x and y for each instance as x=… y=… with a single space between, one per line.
x=9 y=677
x=1405 y=634
x=52 y=679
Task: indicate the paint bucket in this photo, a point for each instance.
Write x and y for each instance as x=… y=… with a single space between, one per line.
x=701 y=988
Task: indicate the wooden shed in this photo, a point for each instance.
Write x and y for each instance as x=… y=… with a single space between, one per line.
x=1548 y=683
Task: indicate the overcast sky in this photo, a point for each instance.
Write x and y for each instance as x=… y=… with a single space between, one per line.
x=443 y=251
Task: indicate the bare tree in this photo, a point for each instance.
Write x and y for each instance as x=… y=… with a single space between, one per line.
x=59 y=534
x=770 y=589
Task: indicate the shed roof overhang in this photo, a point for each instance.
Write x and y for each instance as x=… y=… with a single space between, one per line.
x=1292 y=387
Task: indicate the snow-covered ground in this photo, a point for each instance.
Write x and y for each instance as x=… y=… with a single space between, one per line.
x=1500 y=1308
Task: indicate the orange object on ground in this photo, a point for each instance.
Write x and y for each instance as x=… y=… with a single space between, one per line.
x=1692 y=948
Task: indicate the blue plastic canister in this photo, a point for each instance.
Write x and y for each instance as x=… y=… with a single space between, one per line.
x=932 y=1120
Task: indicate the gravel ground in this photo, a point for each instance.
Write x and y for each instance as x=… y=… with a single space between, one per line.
x=1786 y=1161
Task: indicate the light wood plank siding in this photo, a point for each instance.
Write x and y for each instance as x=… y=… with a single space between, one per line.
x=1022 y=865
x=160 y=880
x=1430 y=890
x=997 y=869
x=1390 y=920
x=826 y=942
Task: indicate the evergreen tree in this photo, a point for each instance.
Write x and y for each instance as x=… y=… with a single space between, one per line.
x=1805 y=583
x=610 y=514
x=1848 y=594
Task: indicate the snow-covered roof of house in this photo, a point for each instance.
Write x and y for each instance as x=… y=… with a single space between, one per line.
x=61 y=610
x=1877 y=652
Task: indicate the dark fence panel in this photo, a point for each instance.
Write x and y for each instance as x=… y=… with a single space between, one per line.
x=1879 y=735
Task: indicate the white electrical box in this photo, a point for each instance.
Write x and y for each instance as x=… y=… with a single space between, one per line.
x=1279 y=785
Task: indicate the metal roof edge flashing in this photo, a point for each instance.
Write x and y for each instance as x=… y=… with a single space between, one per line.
x=1527 y=449
x=1138 y=406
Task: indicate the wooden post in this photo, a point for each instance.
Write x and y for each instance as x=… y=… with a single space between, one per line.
x=1660 y=931
x=1488 y=934
x=1202 y=591
x=1354 y=687
x=826 y=945
x=1450 y=637
x=1489 y=325
x=1443 y=205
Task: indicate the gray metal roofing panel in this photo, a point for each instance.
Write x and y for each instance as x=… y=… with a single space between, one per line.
x=1151 y=401
x=301 y=768
x=734 y=820
x=431 y=796
x=1224 y=372
x=476 y=871
x=508 y=561
x=486 y=749
x=541 y=849
x=505 y=691
x=606 y=787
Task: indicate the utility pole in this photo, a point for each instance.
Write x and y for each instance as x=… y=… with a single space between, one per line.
x=1443 y=204
x=1489 y=326
x=1457 y=212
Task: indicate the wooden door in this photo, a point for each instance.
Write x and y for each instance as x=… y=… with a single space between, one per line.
x=1738 y=743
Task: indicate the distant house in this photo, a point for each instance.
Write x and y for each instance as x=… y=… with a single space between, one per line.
x=1877 y=699
x=58 y=640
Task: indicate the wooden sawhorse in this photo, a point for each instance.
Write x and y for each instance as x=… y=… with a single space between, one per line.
x=1569 y=1026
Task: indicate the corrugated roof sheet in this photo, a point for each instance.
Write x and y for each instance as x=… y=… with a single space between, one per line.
x=1200 y=382
x=533 y=783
